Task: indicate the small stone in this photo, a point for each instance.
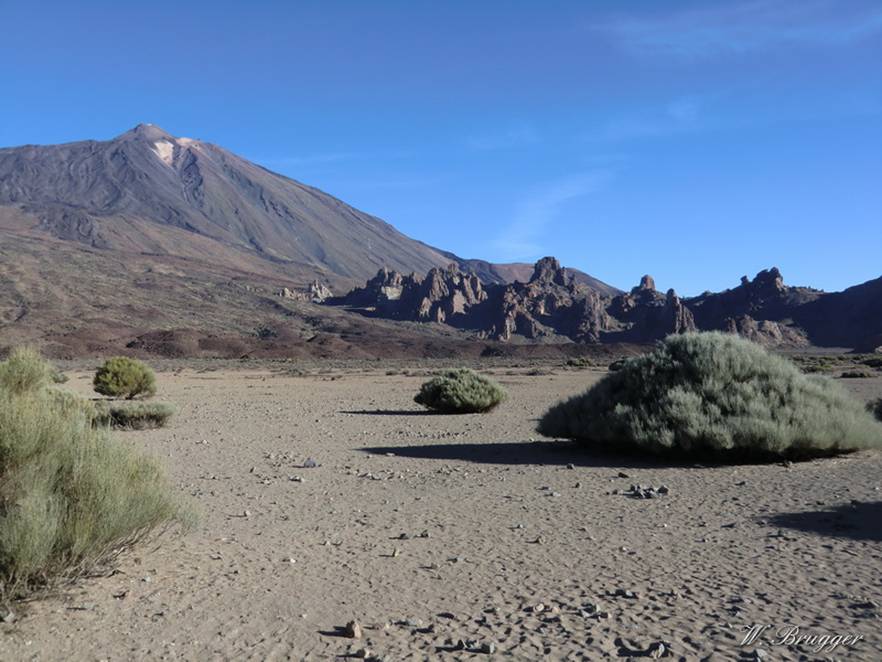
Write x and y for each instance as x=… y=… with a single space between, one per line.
x=538 y=609
x=622 y=474
x=571 y=466
x=353 y=630
x=663 y=489
x=9 y=617
x=310 y=463
x=488 y=647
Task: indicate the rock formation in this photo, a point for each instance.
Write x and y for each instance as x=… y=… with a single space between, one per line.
x=552 y=304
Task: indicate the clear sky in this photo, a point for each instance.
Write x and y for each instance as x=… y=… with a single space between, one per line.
x=694 y=141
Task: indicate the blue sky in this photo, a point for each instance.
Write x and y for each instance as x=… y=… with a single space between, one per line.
x=695 y=141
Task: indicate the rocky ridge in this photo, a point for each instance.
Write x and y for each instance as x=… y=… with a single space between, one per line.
x=551 y=305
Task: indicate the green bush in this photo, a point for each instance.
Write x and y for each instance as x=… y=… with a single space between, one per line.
x=716 y=395
x=133 y=416
x=24 y=370
x=875 y=408
x=461 y=391
x=122 y=377
x=70 y=498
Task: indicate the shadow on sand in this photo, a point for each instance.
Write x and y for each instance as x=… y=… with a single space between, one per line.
x=391 y=412
x=856 y=521
x=538 y=452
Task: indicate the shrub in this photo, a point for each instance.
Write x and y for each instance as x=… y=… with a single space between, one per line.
x=873 y=362
x=24 y=370
x=875 y=408
x=718 y=395
x=122 y=377
x=461 y=391
x=134 y=416
x=855 y=374
x=580 y=362
x=71 y=498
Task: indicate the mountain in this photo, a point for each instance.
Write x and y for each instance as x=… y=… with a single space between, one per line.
x=102 y=242
x=147 y=191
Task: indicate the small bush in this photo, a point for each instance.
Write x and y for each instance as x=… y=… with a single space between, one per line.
x=873 y=362
x=122 y=377
x=579 y=362
x=716 y=395
x=135 y=416
x=617 y=365
x=875 y=408
x=70 y=498
x=24 y=370
x=855 y=374
x=461 y=391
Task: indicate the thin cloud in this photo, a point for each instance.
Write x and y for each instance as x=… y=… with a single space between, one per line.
x=535 y=213
x=312 y=159
x=682 y=115
x=745 y=27
x=517 y=135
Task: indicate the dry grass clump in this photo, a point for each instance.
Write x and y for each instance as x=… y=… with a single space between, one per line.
x=133 y=416
x=24 y=370
x=715 y=395
x=70 y=498
x=122 y=377
x=460 y=391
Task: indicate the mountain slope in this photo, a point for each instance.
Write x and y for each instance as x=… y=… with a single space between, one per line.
x=149 y=192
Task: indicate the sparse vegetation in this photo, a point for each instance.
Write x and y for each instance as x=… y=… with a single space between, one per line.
x=133 y=416
x=70 y=498
x=579 y=362
x=715 y=395
x=461 y=391
x=123 y=377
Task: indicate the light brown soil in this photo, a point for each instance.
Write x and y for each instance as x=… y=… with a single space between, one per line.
x=510 y=525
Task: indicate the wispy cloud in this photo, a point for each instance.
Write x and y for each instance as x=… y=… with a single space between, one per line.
x=681 y=115
x=311 y=159
x=737 y=27
x=513 y=136
x=537 y=211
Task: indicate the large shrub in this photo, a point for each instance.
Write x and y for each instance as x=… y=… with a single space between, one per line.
x=70 y=498
x=716 y=395
x=461 y=391
x=122 y=377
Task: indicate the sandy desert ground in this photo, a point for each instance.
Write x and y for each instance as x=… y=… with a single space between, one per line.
x=442 y=532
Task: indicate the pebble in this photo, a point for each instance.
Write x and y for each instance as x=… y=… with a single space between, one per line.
x=488 y=647
x=353 y=630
